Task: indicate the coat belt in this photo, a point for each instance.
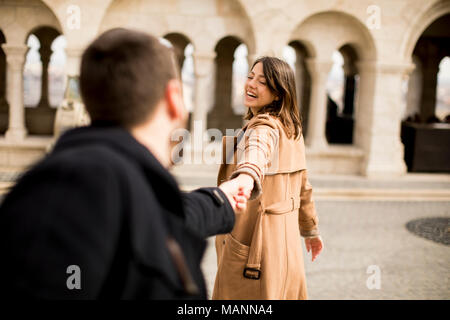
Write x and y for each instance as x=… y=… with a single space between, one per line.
x=253 y=268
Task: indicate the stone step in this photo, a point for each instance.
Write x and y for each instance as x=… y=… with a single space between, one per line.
x=410 y=187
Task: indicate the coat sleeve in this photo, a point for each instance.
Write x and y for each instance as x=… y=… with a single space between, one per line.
x=308 y=219
x=208 y=212
x=59 y=230
x=254 y=156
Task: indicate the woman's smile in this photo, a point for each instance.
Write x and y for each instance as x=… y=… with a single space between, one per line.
x=257 y=93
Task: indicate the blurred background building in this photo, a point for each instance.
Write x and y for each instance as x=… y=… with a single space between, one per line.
x=373 y=80
x=373 y=76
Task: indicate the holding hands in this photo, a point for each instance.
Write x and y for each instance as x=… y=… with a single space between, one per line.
x=238 y=191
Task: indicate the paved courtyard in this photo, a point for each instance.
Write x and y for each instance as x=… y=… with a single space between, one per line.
x=359 y=234
x=366 y=235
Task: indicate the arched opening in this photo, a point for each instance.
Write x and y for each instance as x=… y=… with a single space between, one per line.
x=240 y=71
x=341 y=90
x=430 y=49
x=443 y=91
x=56 y=72
x=296 y=54
x=183 y=50
x=44 y=80
x=230 y=69
x=4 y=108
x=425 y=134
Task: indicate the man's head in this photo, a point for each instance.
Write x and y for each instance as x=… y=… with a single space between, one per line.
x=125 y=75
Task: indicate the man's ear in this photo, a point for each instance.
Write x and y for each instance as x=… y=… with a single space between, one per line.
x=174 y=99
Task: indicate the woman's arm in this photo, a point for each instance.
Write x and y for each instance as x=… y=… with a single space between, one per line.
x=308 y=219
x=254 y=154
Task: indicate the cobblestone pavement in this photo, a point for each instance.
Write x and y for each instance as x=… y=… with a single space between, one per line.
x=360 y=234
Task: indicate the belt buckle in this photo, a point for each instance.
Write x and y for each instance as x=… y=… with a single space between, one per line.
x=252 y=276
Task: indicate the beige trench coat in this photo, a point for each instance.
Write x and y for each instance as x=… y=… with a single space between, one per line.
x=262 y=256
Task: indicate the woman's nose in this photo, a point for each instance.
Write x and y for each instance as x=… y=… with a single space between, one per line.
x=251 y=83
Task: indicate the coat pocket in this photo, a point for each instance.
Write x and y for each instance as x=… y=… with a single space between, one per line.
x=230 y=281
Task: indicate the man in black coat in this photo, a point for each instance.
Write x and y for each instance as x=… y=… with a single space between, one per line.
x=100 y=216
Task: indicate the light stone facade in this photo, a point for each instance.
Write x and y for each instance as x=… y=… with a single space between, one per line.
x=381 y=33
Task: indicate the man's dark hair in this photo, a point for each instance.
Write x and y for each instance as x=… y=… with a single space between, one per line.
x=123 y=75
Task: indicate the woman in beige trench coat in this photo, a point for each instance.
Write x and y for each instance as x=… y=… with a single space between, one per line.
x=262 y=257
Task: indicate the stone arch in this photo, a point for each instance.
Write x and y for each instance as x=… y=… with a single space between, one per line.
x=237 y=24
x=347 y=29
x=222 y=116
x=348 y=32
x=424 y=137
x=204 y=25
x=419 y=24
x=431 y=47
x=17 y=22
x=179 y=42
x=28 y=15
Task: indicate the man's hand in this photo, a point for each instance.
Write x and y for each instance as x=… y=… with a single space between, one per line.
x=315 y=245
x=237 y=194
x=246 y=182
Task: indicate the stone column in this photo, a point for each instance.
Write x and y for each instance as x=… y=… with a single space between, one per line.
x=4 y=107
x=429 y=52
x=349 y=88
x=73 y=60
x=222 y=115
x=379 y=118
x=45 y=52
x=204 y=73
x=318 y=71
x=72 y=113
x=303 y=83
x=41 y=120
x=15 y=58
x=414 y=90
x=430 y=69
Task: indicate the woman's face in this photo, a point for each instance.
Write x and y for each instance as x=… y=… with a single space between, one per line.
x=257 y=93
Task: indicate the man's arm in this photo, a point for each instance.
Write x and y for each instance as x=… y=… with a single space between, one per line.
x=208 y=212
x=61 y=228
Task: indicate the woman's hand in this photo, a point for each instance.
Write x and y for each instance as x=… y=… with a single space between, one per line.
x=315 y=245
x=246 y=182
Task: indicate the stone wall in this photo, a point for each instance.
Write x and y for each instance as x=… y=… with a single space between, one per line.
x=382 y=33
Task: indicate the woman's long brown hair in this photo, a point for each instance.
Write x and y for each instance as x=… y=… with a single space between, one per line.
x=281 y=82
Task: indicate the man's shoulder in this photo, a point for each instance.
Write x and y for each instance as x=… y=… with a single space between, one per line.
x=90 y=163
x=95 y=155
